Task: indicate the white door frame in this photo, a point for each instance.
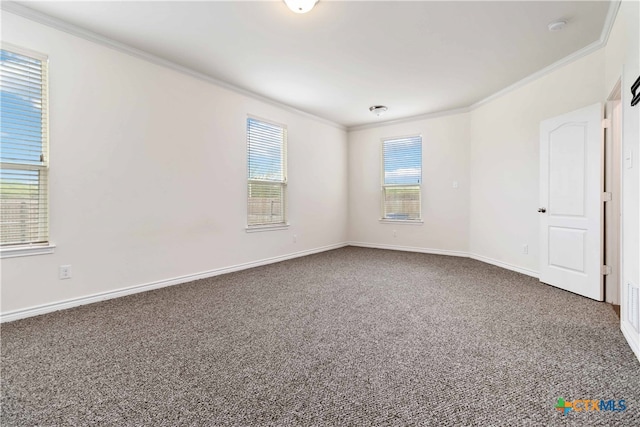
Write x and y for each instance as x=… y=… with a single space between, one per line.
x=613 y=184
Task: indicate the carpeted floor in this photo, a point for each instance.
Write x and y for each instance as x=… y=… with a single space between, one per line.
x=347 y=337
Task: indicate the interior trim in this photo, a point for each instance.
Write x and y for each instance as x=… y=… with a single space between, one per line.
x=75 y=30
x=103 y=296
x=410 y=249
x=504 y=265
x=463 y=254
x=628 y=333
x=27 y=250
x=42 y=18
x=609 y=20
x=410 y=119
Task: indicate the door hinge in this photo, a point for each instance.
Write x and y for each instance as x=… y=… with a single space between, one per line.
x=605 y=270
x=607 y=196
x=606 y=123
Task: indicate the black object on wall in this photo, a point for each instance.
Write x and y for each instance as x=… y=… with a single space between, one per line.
x=635 y=93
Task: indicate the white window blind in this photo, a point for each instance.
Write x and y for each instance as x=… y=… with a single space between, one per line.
x=267 y=180
x=402 y=176
x=23 y=149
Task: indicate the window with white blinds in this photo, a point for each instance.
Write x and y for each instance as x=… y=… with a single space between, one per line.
x=402 y=177
x=267 y=175
x=24 y=163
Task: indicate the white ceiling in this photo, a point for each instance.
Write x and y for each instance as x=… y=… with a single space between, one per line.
x=415 y=57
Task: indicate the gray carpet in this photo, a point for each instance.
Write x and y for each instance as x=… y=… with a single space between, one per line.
x=347 y=337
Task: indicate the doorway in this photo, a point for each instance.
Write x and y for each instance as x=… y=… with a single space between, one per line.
x=613 y=196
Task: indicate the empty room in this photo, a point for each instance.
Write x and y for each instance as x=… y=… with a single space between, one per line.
x=320 y=212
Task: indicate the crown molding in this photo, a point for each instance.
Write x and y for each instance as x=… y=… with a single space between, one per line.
x=540 y=73
x=75 y=30
x=410 y=119
x=58 y=24
x=590 y=48
x=614 y=6
x=612 y=13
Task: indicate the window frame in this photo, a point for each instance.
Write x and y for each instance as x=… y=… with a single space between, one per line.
x=250 y=228
x=383 y=219
x=45 y=246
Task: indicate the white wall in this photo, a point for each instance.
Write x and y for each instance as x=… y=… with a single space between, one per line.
x=622 y=58
x=505 y=159
x=139 y=153
x=494 y=152
x=445 y=210
x=148 y=175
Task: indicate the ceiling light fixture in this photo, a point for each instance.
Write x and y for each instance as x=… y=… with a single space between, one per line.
x=378 y=110
x=300 y=6
x=556 y=25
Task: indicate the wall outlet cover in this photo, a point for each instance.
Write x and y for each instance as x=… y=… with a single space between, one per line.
x=64 y=272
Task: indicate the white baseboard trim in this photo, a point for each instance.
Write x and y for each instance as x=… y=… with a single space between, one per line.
x=102 y=296
x=464 y=254
x=409 y=249
x=505 y=265
x=629 y=333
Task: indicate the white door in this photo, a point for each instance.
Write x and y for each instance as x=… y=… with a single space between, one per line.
x=571 y=168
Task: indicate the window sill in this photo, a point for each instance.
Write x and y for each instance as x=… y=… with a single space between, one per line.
x=27 y=250
x=259 y=228
x=402 y=221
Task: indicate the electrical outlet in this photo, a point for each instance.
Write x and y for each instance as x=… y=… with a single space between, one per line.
x=64 y=272
x=295 y=238
x=455 y=184
x=395 y=233
x=525 y=249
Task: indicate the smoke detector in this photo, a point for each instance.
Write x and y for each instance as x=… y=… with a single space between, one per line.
x=556 y=25
x=378 y=110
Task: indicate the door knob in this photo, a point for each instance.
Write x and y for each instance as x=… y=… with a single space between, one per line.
x=542 y=210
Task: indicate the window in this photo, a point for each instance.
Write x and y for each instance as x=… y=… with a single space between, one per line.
x=24 y=163
x=402 y=176
x=267 y=180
